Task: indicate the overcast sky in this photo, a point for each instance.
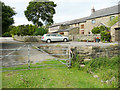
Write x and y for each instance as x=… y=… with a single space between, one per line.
x=66 y=9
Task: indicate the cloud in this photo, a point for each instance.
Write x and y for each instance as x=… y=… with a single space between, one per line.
x=21 y=21
x=65 y=10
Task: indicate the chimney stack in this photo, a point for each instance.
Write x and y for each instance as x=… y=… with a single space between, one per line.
x=92 y=10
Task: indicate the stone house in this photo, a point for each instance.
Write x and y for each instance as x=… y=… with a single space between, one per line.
x=115 y=32
x=100 y=16
x=73 y=27
x=83 y=26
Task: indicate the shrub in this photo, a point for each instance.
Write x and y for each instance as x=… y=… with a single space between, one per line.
x=6 y=34
x=105 y=36
x=96 y=30
x=40 y=31
x=23 y=30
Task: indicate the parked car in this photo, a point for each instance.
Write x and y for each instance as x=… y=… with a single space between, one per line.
x=54 y=37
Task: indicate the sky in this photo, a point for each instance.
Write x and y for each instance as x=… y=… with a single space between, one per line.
x=66 y=10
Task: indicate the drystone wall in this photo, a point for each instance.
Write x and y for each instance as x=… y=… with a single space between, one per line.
x=27 y=38
x=57 y=50
x=86 y=52
x=83 y=38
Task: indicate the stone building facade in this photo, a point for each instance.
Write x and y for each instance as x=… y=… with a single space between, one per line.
x=115 y=32
x=86 y=24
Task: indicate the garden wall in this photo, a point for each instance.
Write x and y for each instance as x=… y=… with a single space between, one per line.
x=85 y=38
x=27 y=38
x=86 y=52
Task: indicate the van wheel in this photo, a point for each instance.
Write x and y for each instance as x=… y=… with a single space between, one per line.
x=65 y=40
x=48 y=41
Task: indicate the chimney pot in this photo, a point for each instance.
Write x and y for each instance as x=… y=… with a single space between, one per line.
x=92 y=10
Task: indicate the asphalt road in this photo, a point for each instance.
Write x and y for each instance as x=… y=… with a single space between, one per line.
x=20 y=56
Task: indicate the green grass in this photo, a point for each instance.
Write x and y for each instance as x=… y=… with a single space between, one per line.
x=105 y=68
x=51 y=78
x=44 y=64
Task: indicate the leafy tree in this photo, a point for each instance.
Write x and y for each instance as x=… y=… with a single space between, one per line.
x=103 y=31
x=40 y=12
x=98 y=30
x=7 y=17
x=23 y=30
x=40 y=31
x=105 y=36
x=95 y=30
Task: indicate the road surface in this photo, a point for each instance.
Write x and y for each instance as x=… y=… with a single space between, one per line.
x=16 y=53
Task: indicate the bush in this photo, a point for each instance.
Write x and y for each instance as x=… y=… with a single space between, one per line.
x=23 y=30
x=96 y=30
x=6 y=34
x=103 y=31
x=105 y=36
x=40 y=31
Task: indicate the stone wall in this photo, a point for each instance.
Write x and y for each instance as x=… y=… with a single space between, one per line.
x=57 y=50
x=27 y=38
x=86 y=52
x=84 y=38
x=74 y=31
x=89 y=52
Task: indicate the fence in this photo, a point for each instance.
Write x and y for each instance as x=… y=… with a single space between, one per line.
x=30 y=64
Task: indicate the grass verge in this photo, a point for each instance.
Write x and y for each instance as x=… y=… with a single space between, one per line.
x=51 y=78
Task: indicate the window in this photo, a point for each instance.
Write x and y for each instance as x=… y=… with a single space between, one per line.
x=82 y=31
x=48 y=35
x=82 y=26
x=111 y=18
x=59 y=36
x=53 y=35
x=62 y=33
x=93 y=21
x=88 y=32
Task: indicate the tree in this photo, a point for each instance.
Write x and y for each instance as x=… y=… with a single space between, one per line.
x=95 y=30
x=105 y=36
x=40 y=12
x=40 y=31
x=23 y=30
x=98 y=30
x=103 y=31
x=7 y=17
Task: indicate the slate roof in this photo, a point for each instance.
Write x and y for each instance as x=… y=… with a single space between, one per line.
x=75 y=21
x=58 y=24
x=98 y=13
x=104 y=12
x=66 y=30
